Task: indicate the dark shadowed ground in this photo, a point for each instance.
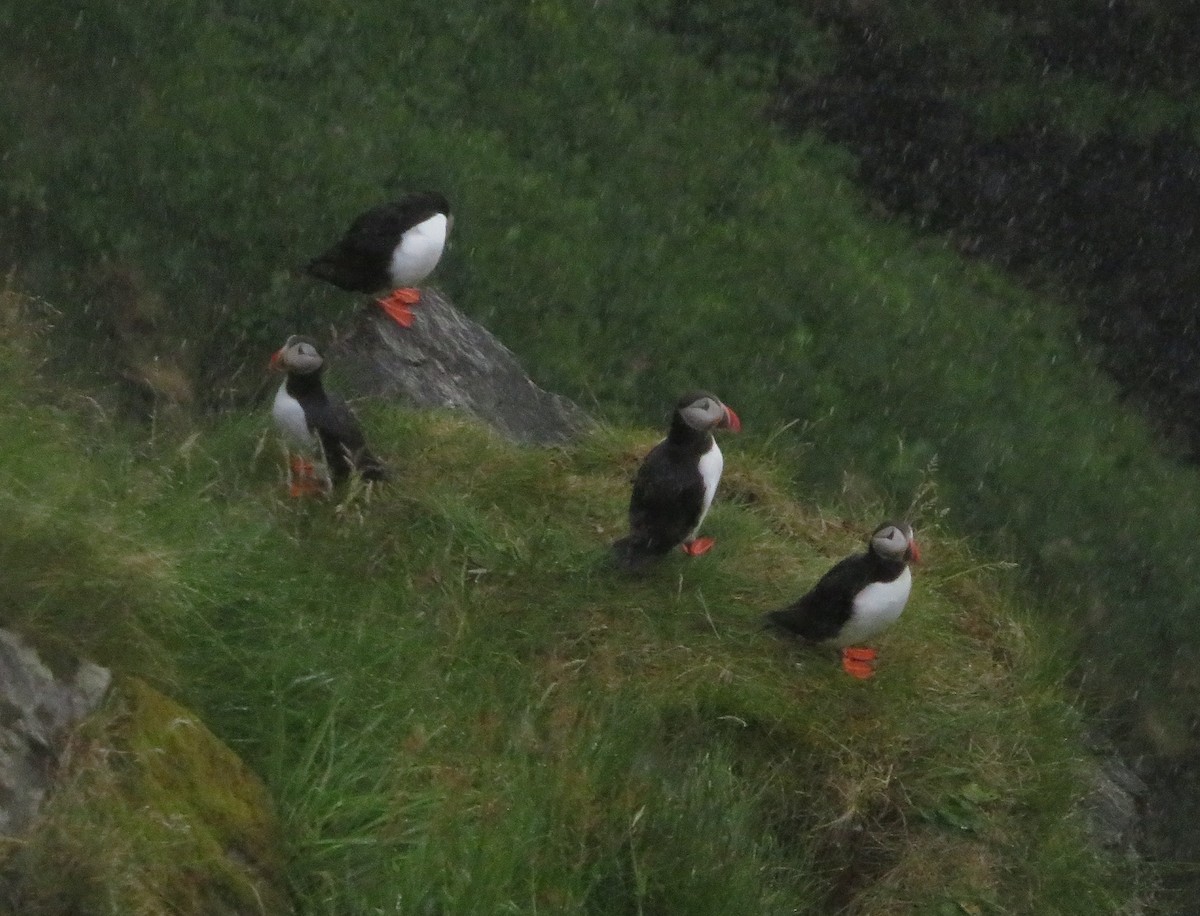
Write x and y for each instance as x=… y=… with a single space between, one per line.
x=1111 y=219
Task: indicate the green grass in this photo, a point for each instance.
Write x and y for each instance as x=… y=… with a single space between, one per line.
x=632 y=228
x=460 y=707
x=624 y=240
x=67 y=561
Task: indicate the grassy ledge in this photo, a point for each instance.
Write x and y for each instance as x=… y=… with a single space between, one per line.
x=459 y=708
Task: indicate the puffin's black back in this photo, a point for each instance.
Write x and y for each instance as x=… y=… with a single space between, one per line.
x=340 y=433
x=668 y=493
x=820 y=613
x=359 y=262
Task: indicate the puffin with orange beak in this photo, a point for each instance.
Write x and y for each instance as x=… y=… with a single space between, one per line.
x=316 y=425
x=675 y=484
x=860 y=597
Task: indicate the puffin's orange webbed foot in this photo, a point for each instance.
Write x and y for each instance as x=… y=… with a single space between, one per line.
x=302 y=488
x=859 y=661
x=303 y=479
x=398 y=305
x=698 y=547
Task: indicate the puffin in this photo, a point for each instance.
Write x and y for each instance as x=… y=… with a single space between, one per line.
x=394 y=245
x=314 y=423
x=676 y=482
x=859 y=597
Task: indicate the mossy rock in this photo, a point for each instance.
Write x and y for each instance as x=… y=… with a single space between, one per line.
x=154 y=815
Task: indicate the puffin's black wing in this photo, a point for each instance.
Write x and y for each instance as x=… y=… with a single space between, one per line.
x=342 y=439
x=359 y=262
x=664 y=507
x=822 y=611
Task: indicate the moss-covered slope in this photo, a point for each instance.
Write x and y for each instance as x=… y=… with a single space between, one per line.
x=152 y=815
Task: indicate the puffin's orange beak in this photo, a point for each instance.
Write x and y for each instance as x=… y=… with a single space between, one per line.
x=276 y=364
x=732 y=421
x=913 y=550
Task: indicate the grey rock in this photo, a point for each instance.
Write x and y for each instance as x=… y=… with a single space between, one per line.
x=446 y=360
x=37 y=712
x=1113 y=803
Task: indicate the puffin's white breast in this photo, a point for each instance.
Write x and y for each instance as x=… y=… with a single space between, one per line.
x=875 y=609
x=419 y=250
x=290 y=421
x=712 y=463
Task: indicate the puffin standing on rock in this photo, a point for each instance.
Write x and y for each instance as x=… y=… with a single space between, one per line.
x=859 y=597
x=675 y=484
x=317 y=424
x=394 y=245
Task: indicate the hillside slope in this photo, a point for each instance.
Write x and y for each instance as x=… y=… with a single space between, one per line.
x=460 y=708
x=626 y=242
x=630 y=225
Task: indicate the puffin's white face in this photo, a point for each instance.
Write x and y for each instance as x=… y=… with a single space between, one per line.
x=705 y=412
x=894 y=541
x=298 y=354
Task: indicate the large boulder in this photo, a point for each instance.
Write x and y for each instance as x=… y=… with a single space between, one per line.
x=446 y=360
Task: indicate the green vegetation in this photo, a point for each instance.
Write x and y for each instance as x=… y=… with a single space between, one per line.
x=1079 y=67
x=66 y=560
x=459 y=707
x=627 y=223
